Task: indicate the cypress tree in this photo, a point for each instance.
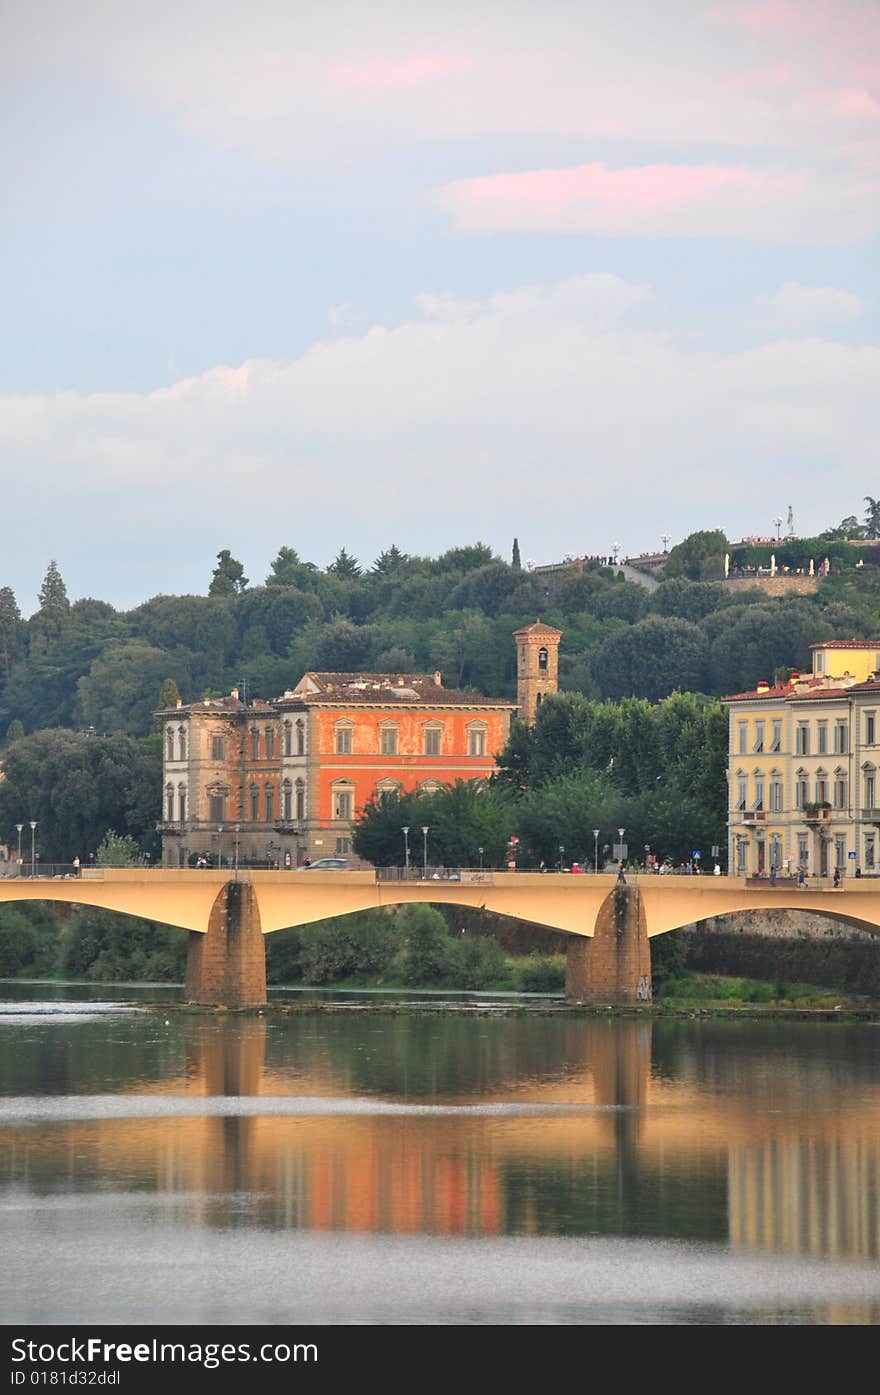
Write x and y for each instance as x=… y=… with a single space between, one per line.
x=514 y=561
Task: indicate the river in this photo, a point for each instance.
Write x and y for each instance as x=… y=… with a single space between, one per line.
x=362 y=1167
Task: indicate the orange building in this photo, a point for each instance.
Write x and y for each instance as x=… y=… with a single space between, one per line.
x=283 y=781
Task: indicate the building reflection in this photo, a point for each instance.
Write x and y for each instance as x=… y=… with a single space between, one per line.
x=606 y=1134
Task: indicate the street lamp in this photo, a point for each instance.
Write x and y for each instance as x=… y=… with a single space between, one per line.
x=19 y=826
x=561 y=855
x=425 y=831
x=219 y=845
x=480 y=851
x=405 y=832
x=237 y=831
x=33 y=854
x=596 y=851
x=620 y=833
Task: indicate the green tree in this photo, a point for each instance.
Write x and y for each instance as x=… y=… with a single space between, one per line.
x=169 y=695
x=14 y=732
x=344 y=566
x=700 y=557
x=515 y=560
x=872 y=517
x=119 y=691
x=54 y=612
x=430 y=954
x=228 y=578
x=11 y=631
x=652 y=659
x=289 y=570
x=390 y=563
x=119 y=850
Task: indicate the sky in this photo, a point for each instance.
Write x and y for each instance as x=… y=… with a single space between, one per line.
x=331 y=275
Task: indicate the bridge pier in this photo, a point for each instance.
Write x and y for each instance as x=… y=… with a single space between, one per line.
x=615 y=965
x=227 y=965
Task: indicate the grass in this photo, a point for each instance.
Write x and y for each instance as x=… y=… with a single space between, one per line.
x=700 y=989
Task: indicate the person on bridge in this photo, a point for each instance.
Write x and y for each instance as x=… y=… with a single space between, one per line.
x=621 y=879
x=836 y=879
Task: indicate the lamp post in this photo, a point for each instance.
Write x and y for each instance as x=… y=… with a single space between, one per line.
x=219 y=846
x=237 y=831
x=620 y=833
x=596 y=851
x=561 y=855
x=33 y=854
x=405 y=832
x=480 y=851
x=425 y=831
x=19 y=826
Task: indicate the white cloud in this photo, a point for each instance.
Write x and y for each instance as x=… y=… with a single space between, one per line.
x=798 y=307
x=547 y=412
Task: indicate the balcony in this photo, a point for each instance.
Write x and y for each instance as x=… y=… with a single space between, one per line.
x=817 y=813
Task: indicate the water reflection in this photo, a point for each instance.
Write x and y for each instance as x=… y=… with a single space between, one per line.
x=766 y=1138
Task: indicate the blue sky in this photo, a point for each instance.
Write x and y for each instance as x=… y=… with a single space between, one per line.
x=338 y=275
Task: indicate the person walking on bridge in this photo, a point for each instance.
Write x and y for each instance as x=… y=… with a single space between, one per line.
x=621 y=879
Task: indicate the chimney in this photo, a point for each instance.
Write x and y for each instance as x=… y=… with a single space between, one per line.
x=179 y=702
x=233 y=692
x=794 y=676
x=763 y=685
x=438 y=679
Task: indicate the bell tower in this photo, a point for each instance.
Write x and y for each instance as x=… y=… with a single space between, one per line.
x=537 y=667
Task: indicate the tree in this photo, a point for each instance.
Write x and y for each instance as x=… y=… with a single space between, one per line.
x=345 y=567
x=700 y=557
x=54 y=612
x=119 y=850
x=14 y=732
x=118 y=692
x=228 y=578
x=652 y=659
x=847 y=528
x=11 y=630
x=289 y=570
x=514 y=561
x=872 y=517
x=169 y=695
x=390 y=562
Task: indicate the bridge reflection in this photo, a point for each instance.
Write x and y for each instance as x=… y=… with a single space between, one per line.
x=591 y=1127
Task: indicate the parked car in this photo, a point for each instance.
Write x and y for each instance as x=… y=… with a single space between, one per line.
x=329 y=864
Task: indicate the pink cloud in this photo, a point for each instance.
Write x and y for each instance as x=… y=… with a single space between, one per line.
x=669 y=201
x=409 y=72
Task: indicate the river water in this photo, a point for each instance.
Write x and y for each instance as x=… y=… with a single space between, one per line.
x=358 y=1167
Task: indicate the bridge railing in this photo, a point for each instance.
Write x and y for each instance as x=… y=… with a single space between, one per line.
x=39 y=871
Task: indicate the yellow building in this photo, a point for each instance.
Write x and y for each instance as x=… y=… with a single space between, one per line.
x=802 y=768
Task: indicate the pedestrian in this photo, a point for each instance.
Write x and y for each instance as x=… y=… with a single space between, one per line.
x=717 y=870
x=802 y=876
x=773 y=874
x=76 y=866
x=836 y=879
x=621 y=879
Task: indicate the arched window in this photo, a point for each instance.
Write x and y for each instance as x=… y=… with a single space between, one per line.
x=181 y=743
x=542 y=658
x=300 y=801
x=270 y=803
x=255 y=803
x=255 y=743
x=181 y=803
x=869 y=787
x=169 y=745
x=270 y=743
x=169 y=803
x=286 y=801
x=300 y=737
x=288 y=739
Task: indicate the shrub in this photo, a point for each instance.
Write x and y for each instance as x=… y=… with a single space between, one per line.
x=542 y=974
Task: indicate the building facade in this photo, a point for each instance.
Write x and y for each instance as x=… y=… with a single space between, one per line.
x=803 y=768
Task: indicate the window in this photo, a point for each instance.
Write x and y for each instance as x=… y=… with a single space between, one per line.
x=802 y=740
x=181 y=744
x=169 y=745
x=270 y=804
x=300 y=737
x=759 y=793
x=432 y=740
x=776 y=739
x=759 y=736
x=216 y=748
x=343 y=741
x=388 y=741
x=841 y=742
x=802 y=850
x=870 y=790
x=869 y=852
x=270 y=743
x=477 y=741
x=840 y=794
x=776 y=796
x=802 y=794
x=387 y=788
x=181 y=803
x=742 y=853
x=342 y=802
x=542 y=659
x=869 y=729
x=821 y=791
x=775 y=851
x=255 y=744
x=286 y=801
x=343 y=847
x=820 y=661
x=255 y=803
x=300 y=801
x=216 y=804
x=823 y=738
x=741 y=794
x=288 y=739
x=840 y=851
x=169 y=803
x=743 y=738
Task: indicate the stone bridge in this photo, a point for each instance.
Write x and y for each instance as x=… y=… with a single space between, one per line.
x=609 y=958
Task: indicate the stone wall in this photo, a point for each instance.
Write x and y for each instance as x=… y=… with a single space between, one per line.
x=773 y=585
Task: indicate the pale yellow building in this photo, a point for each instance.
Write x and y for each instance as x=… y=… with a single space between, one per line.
x=802 y=769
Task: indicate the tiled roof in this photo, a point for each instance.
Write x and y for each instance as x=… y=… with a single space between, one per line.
x=789 y=692
x=539 y=628
x=224 y=706
x=382 y=689
x=848 y=644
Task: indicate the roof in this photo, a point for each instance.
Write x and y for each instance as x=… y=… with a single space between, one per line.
x=848 y=644
x=218 y=707
x=537 y=629
x=804 y=690
x=384 y=689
